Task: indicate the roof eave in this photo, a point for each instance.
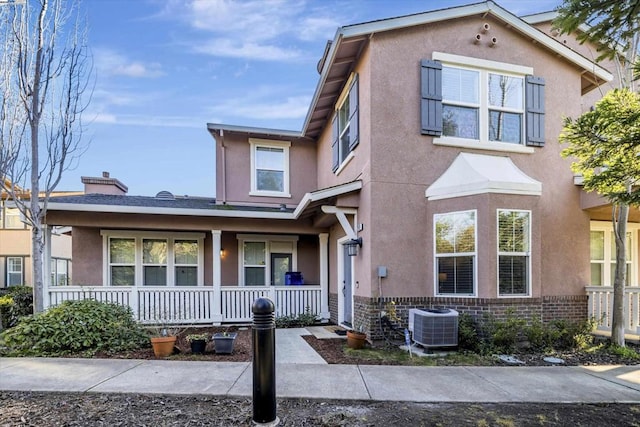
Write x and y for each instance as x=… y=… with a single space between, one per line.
x=254 y=130
x=86 y=207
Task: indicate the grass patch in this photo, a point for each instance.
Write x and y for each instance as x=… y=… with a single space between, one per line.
x=395 y=356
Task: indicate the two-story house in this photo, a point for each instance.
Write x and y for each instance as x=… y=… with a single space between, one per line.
x=16 y=249
x=427 y=172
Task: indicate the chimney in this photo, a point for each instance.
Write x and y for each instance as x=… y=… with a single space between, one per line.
x=103 y=185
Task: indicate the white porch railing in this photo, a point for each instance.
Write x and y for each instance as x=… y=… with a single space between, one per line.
x=601 y=307
x=195 y=305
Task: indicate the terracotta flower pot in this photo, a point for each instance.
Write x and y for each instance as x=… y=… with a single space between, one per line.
x=356 y=339
x=163 y=346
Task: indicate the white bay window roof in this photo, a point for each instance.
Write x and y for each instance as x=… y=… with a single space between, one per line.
x=472 y=174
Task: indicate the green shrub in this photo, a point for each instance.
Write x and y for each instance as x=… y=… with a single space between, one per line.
x=307 y=318
x=6 y=306
x=74 y=327
x=571 y=335
x=502 y=336
x=468 y=338
x=15 y=302
x=302 y=320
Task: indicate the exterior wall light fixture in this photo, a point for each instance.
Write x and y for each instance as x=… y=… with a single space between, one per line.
x=353 y=245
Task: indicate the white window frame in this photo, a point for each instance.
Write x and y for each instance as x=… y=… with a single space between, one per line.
x=256 y=143
x=15 y=213
x=345 y=157
x=55 y=274
x=609 y=257
x=456 y=254
x=177 y=265
x=268 y=241
x=524 y=254
x=150 y=264
x=484 y=68
x=9 y=271
x=138 y=236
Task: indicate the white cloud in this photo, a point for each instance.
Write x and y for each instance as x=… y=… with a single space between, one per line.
x=145 y=120
x=292 y=107
x=110 y=62
x=239 y=49
x=268 y=30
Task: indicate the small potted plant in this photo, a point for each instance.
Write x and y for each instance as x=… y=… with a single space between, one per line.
x=356 y=338
x=223 y=342
x=163 y=341
x=198 y=342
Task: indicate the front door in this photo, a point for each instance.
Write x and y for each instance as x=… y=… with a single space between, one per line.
x=280 y=264
x=347 y=288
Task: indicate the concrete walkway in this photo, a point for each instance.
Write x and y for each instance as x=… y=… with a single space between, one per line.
x=299 y=373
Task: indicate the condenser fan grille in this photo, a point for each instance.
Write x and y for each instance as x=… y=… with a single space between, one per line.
x=434 y=327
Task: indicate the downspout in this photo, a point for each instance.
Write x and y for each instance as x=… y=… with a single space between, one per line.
x=224 y=168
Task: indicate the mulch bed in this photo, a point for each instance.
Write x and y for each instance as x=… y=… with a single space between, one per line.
x=333 y=351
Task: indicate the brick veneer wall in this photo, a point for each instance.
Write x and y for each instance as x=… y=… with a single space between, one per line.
x=546 y=309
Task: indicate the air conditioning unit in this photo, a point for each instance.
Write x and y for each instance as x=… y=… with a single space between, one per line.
x=434 y=327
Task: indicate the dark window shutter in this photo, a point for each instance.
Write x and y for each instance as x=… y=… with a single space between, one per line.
x=334 y=143
x=431 y=99
x=354 y=131
x=535 y=111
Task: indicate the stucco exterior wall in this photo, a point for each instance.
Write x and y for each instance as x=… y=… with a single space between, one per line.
x=87 y=256
x=235 y=185
x=404 y=163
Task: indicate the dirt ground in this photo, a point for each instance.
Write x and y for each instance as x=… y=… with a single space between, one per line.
x=67 y=409
x=89 y=409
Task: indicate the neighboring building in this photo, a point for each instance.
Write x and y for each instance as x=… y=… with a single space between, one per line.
x=16 y=250
x=427 y=172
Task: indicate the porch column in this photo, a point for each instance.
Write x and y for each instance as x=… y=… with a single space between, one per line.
x=324 y=276
x=216 y=295
x=46 y=267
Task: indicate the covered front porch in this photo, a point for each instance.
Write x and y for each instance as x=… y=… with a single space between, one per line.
x=231 y=304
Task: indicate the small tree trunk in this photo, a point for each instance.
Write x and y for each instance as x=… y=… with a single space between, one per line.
x=621 y=214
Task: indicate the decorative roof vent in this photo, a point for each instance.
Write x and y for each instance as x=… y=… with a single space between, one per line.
x=165 y=195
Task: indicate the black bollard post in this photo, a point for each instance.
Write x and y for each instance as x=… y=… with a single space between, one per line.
x=264 y=363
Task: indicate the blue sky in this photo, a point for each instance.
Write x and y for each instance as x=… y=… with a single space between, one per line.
x=166 y=68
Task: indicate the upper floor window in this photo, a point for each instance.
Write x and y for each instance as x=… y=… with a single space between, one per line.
x=154 y=259
x=269 y=168
x=603 y=254
x=455 y=253
x=482 y=104
x=345 y=130
x=514 y=252
x=12 y=218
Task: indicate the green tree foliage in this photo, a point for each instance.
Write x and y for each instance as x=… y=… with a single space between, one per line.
x=605 y=145
x=612 y=22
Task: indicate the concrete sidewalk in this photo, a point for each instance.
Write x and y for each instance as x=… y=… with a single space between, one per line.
x=301 y=372
x=595 y=384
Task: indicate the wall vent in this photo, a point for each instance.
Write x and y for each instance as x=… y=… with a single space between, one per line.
x=434 y=327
